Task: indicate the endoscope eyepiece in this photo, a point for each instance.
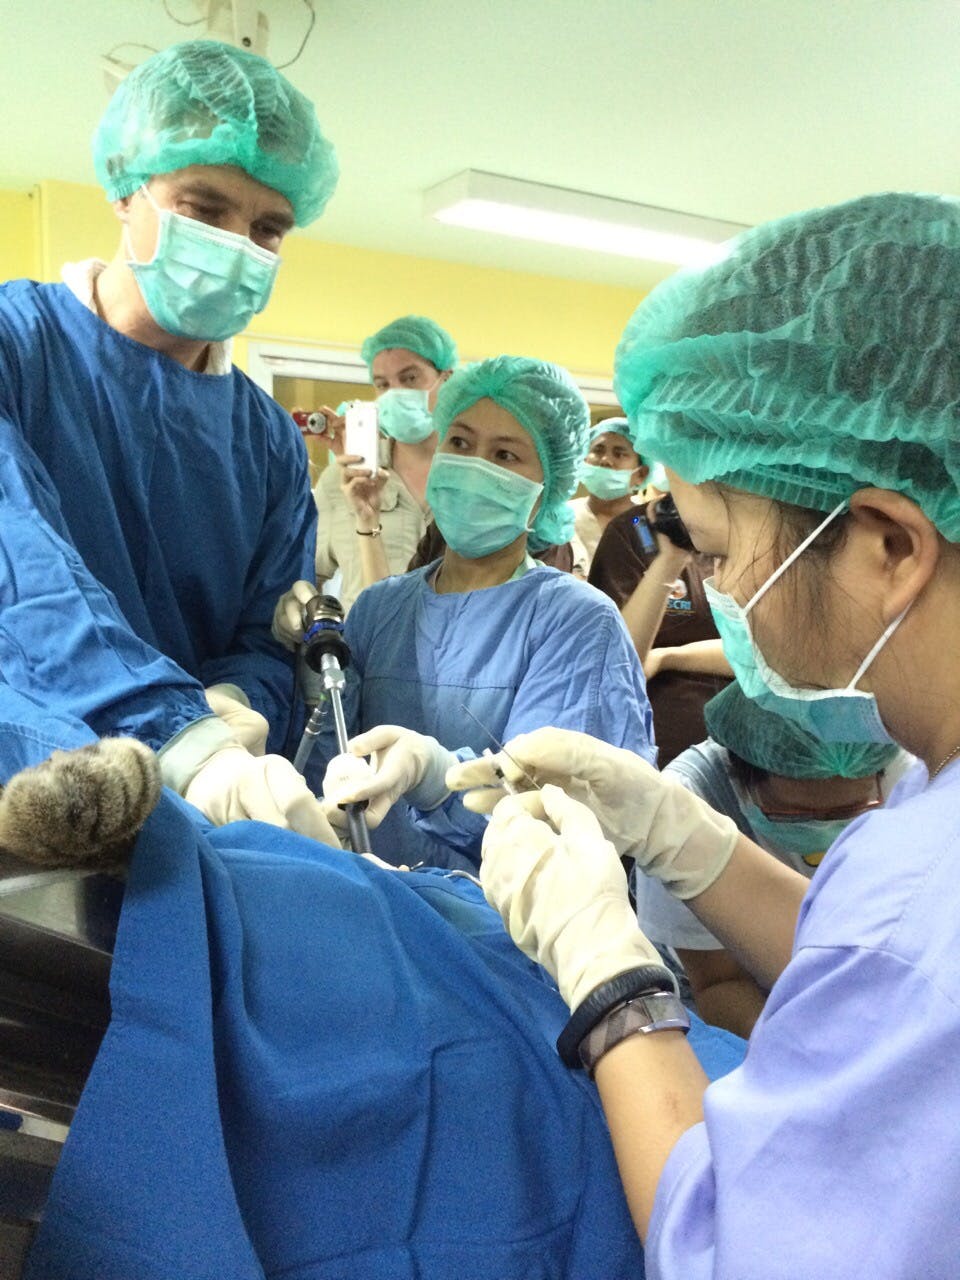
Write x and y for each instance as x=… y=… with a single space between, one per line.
x=323 y=631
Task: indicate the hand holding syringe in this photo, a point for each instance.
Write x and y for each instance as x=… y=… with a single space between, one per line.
x=498 y=781
x=498 y=773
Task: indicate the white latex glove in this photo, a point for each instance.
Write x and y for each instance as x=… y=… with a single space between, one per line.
x=233 y=785
x=561 y=891
x=287 y=625
x=405 y=763
x=673 y=834
x=344 y=774
x=249 y=727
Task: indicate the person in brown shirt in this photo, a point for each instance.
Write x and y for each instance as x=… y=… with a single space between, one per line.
x=658 y=587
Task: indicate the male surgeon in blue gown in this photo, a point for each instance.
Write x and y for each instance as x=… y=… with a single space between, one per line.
x=154 y=503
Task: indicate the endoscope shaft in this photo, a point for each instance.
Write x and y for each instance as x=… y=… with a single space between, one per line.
x=325 y=648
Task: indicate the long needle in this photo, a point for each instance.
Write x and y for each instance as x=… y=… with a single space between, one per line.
x=500 y=747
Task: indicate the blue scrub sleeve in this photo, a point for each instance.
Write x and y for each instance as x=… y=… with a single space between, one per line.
x=824 y=1154
x=255 y=661
x=29 y=733
x=63 y=641
x=584 y=676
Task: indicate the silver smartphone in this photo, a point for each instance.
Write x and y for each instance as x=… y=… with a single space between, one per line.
x=360 y=434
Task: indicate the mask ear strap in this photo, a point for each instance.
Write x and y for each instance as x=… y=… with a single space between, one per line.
x=778 y=574
x=868 y=660
x=127 y=244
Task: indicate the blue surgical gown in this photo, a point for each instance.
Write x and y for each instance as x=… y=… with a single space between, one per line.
x=150 y=517
x=319 y=1069
x=543 y=649
x=833 y=1151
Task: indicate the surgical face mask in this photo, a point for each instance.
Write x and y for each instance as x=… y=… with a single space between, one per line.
x=832 y=715
x=606 y=482
x=202 y=282
x=658 y=479
x=479 y=507
x=403 y=415
x=807 y=838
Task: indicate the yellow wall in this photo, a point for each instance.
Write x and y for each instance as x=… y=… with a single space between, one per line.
x=19 y=223
x=75 y=222
x=335 y=295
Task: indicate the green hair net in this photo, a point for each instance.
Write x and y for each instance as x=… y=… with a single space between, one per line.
x=768 y=741
x=619 y=426
x=548 y=404
x=818 y=357
x=203 y=102
x=413 y=333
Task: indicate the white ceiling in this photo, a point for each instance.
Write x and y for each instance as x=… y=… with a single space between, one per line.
x=735 y=109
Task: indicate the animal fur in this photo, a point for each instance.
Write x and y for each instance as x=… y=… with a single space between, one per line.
x=81 y=809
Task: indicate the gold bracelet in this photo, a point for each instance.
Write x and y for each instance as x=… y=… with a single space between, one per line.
x=370 y=533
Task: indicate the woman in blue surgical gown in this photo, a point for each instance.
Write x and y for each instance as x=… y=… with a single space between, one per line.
x=485 y=641
x=804 y=394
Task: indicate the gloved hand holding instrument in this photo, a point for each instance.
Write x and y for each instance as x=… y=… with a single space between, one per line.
x=562 y=893
x=671 y=833
x=325 y=651
x=287 y=626
x=404 y=763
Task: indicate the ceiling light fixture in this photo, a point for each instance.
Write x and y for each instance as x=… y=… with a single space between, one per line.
x=556 y=215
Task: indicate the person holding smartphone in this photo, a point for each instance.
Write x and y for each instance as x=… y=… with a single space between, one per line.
x=646 y=564
x=371 y=520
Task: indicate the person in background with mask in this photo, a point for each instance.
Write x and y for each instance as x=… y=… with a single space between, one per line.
x=803 y=394
x=484 y=631
x=369 y=526
x=154 y=501
x=646 y=564
x=613 y=474
x=787 y=792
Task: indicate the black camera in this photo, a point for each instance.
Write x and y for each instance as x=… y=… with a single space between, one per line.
x=667 y=520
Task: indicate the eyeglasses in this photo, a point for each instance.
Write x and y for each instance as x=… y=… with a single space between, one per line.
x=843 y=813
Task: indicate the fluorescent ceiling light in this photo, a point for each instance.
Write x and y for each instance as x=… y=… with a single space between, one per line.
x=555 y=215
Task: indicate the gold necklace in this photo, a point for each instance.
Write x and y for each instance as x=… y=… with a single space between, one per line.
x=945 y=761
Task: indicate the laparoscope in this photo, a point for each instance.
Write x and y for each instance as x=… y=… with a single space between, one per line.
x=325 y=651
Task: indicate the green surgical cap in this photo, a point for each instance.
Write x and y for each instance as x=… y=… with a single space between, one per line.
x=619 y=426
x=820 y=356
x=548 y=404
x=413 y=333
x=203 y=102
x=767 y=741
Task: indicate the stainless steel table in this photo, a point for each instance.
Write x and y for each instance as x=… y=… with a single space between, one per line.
x=57 y=931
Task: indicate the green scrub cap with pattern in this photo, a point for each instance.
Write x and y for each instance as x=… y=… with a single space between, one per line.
x=418 y=334
x=767 y=741
x=203 y=102
x=819 y=357
x=548 y=404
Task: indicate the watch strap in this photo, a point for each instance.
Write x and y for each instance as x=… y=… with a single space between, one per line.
x=660 y=1011
x=601 y=1000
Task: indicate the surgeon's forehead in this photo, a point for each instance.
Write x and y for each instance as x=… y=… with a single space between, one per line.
x=394 y=361
x=724 y=521
x=704 y=512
